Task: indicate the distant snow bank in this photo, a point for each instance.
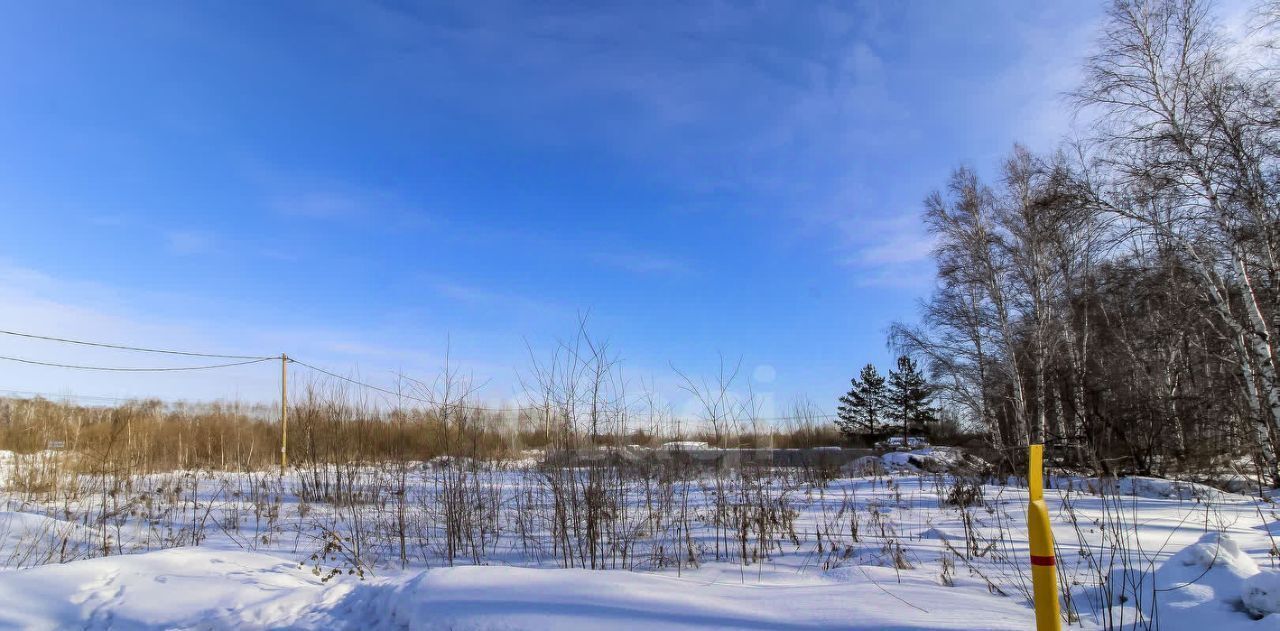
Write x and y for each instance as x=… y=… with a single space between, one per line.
x=931 y=459
x=1155 y=488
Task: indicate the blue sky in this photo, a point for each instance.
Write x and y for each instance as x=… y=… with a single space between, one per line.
x=366 y=185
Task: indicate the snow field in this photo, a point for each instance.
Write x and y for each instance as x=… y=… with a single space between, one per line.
x=229 y=550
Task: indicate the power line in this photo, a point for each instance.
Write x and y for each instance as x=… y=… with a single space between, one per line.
x=409 y=396
x=527 y=408
x=120 y=369
x=254 y=359
x=358 y=383
x=131 y=348
x=54 y=395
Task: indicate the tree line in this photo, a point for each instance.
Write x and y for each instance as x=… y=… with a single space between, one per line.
x=1119 y=297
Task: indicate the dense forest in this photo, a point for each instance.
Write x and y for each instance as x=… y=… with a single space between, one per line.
x=1119 y=298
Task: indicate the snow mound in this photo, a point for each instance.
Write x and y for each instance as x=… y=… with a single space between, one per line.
x=1262 y=593
x=898 y=460
x=933 y=460
x=1210 y=584
x=28 y=539
x=178 y=588
x=1214 y=552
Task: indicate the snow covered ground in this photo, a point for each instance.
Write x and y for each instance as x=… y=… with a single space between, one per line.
x=889 y=551
x=206 y=588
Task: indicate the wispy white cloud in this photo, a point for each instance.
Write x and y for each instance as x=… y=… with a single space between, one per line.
x=109 y=220
x=900 y=248
x=289 y=192
x=912 y=278
x=483 y=297
x=641 y=262
x=603 y=249
x=371 y=207
x=190 y=242
x=761 y=102
x=714 y=95
x=1035 y=89
x=322 y=205
x=888 y=251
x=42 y=304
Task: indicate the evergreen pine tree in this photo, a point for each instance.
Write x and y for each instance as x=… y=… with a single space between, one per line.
x=909 y=395
x=864 y=404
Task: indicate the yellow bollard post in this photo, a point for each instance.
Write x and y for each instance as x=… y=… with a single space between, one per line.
x=1044 y=571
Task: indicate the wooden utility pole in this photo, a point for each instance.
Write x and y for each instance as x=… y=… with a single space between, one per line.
x=284 y=412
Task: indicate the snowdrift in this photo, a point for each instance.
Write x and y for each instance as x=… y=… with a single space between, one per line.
x=201 y=588
x=1211 y=584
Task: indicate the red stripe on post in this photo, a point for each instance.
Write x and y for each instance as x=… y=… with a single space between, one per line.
x=1046 y=561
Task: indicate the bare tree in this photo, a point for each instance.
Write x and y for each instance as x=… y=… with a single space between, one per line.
x=1193 y=148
